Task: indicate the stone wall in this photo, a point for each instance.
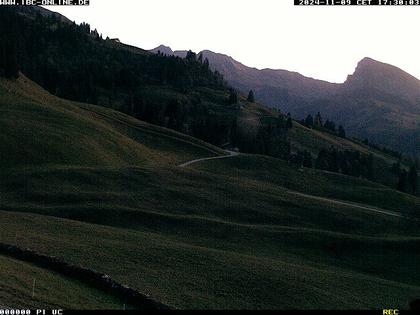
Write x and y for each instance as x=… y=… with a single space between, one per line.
x=92 y=278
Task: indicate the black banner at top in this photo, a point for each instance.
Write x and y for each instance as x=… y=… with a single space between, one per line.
x=356 y=2
x=45 y=2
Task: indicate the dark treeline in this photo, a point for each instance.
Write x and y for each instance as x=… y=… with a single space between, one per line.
x=332 y=128
x=407 y=180
x=271 y=138
x=347 y=162
x=74 y=62
x=188 y=115
x=318 y=123
x=351 y=162
x=383 y=149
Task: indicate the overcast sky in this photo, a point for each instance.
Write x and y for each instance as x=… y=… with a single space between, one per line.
x=321 y=42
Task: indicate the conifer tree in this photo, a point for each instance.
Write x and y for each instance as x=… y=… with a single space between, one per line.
x=341 y=132
x=251 y=97
x=289 y=123
x=309 y=121
x=370 y=169
x=412 y=179
x=322 y=160
x=318 y=121
x=191 y=56
x=307 y=159
x=206 y=63
x=233 y=96
x=402 y=181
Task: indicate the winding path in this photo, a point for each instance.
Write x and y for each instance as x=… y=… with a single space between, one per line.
x=230 y=154
x=349 y=204
x=339 y=202
x=335 y=201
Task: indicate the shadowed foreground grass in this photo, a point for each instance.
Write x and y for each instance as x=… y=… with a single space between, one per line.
x=102 y=190
x=195 y=239
x=51 y=289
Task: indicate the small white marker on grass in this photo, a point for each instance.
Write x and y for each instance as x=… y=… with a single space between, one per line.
x=33 y=288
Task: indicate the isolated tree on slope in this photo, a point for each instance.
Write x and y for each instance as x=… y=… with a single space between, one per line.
x=307 y=159
x=233 y=96
x=321 y=161
x=206 y=63
x=330 y=125
x=191 y=56
x=402 y=181
x=412 y=179
x=318 y=121
x=251 y=97
x=289 y=123
x=309 y=121
x=341 y=132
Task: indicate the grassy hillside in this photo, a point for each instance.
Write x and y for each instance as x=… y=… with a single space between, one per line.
x=253 y=115
x=176 y=93
x=304 y=138
x=38 y=127
x=314 y=182
x=52 y=291
x=101 y=189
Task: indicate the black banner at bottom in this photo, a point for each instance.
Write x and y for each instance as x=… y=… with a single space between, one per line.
x=133 y=312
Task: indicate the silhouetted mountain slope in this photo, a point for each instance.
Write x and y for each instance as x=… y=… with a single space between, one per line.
x=165 y=50
x=374 y=76
x=379 y=101
x=31 y=11
x=245 y=78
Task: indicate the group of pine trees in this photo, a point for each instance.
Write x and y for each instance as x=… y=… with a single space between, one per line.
x=74 y=62
x=383 y=149
x=328 y=126
x=271 y=138
x=347 y=162
x=302 y=158
x=407 y=180
x=188 y=115
x=233 y=97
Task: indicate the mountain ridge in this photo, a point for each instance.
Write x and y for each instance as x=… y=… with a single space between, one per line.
x=370 y=72
x=374 y=100
x=364 y=61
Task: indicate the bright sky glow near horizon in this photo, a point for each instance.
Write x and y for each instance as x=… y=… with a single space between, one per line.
x=320 y=42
